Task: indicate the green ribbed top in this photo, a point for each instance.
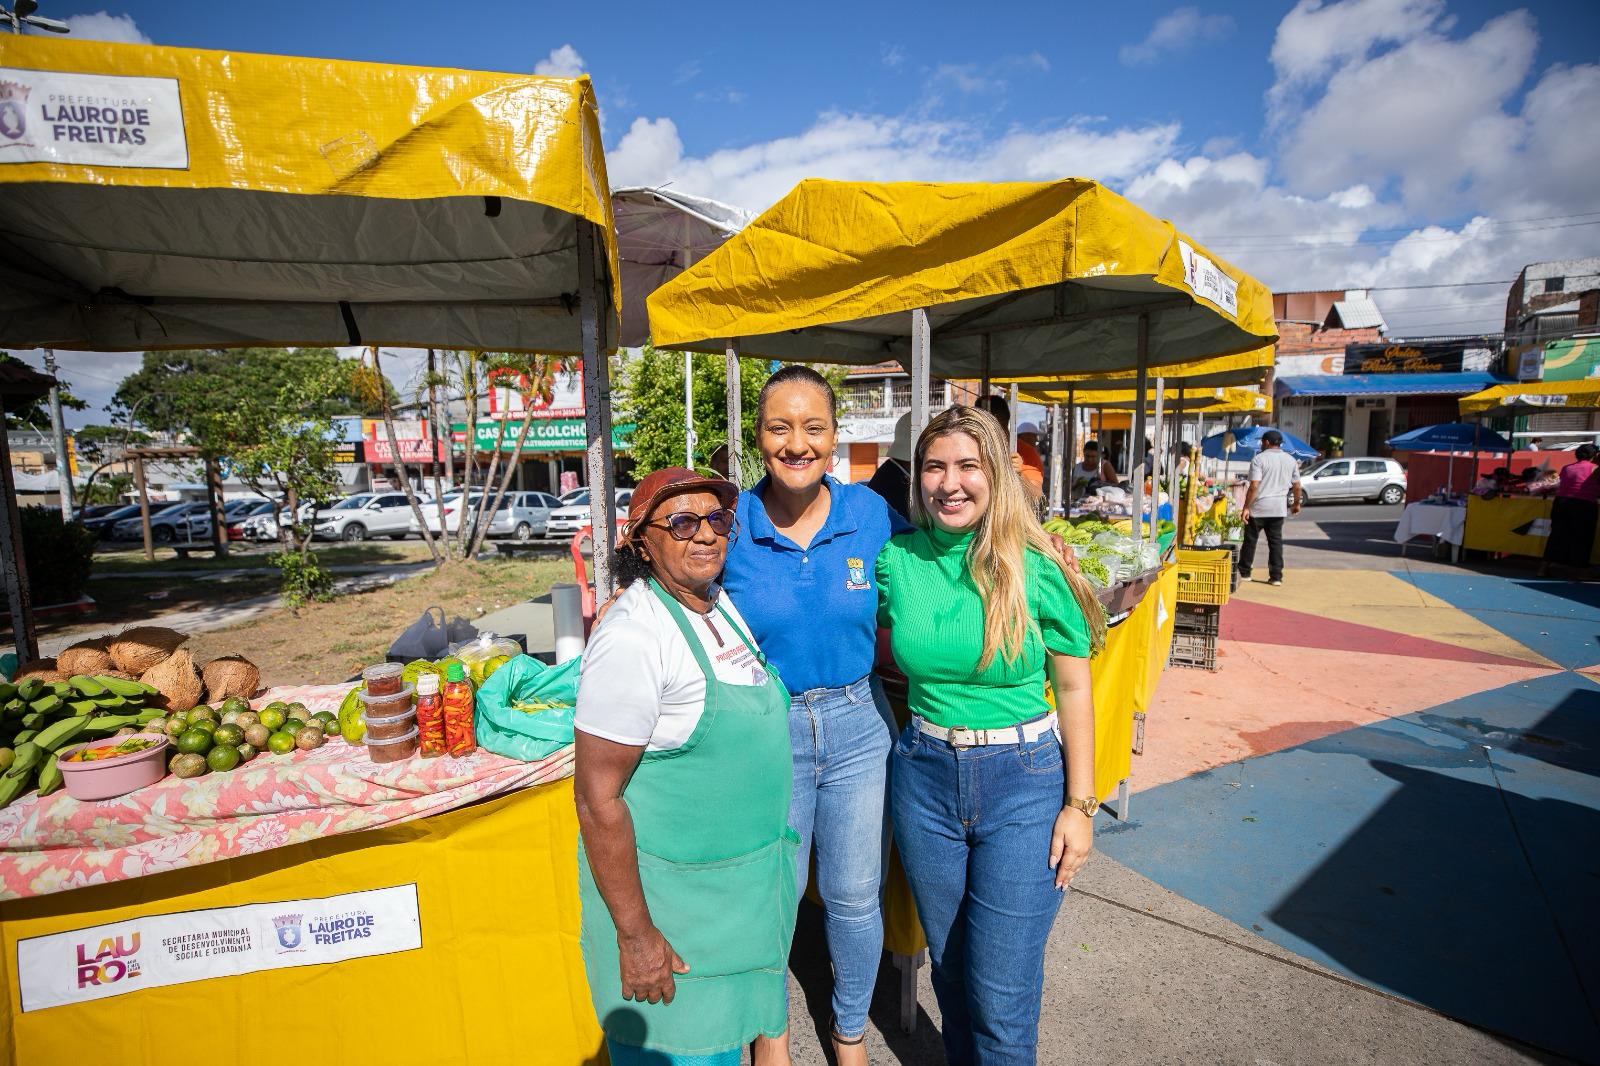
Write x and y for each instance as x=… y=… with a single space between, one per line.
x=926 y=595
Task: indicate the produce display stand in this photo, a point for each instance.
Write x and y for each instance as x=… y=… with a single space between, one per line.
x=285 y=201
x=991 y=282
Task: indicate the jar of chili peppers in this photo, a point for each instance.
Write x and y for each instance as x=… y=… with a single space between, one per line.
x=459 y=733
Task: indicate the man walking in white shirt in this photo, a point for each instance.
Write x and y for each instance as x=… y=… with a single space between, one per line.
x=1274 y=495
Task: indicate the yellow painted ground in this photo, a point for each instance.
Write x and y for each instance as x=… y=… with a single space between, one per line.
x=1384 y=601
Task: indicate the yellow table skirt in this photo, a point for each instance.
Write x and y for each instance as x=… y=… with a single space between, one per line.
x=1125 y=676
x=499 y=977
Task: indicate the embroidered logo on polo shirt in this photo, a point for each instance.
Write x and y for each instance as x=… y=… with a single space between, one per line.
x=858 y=576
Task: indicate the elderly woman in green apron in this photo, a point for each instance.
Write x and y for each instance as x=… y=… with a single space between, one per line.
x=683 y=766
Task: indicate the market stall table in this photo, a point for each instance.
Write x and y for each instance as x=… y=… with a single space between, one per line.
x=1445 y=523
x=423 y=911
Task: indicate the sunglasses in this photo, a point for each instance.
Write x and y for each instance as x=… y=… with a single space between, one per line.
x=685 y=524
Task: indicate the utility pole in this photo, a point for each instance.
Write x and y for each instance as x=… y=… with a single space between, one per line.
x=58 y=432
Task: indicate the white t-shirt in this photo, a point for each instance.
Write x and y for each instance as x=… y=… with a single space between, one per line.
x=640 y=683
x=1277 y=471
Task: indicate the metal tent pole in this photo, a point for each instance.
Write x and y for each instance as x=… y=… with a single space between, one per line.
x=983 y=364
x=1155 y=458
x=1071 y=454
x=13 y=567
x=1057 y=449
x=596 y=405
x=1141 y=382
x=921 y=358
x=1011 y=401
x=688 y=410
x=735 y=413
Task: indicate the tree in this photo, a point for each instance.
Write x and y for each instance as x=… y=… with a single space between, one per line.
x=35 y=414
x=374 y=389
x=100 y=444
x=534 y=379
x=183 y=392
x=652 y=387
x=111 y=490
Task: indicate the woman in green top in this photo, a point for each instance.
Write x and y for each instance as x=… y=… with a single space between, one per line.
x=991 y=789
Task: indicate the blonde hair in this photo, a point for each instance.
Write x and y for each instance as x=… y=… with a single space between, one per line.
x=1009 y=526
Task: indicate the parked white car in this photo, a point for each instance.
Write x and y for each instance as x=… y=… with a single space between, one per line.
x=374 y=514
x=1361 y=478
x=523 y=515
x=453 y=510
x=566 y=521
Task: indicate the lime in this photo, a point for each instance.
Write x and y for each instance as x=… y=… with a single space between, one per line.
x=189 y=764
x=229 y=734
x=247 y=718
x=230 y=717
x=329 y=720
x=235 y=704
x=280 y=743
x=246 y=752
x=293 y=725
x=278 y=705
x=203 y=713
x=309 y=739
x=256 y=736
x=222 y=758
x=272 y=716
x=298 y=713
x=205 y=724
x=195 y=741
x=176 y=726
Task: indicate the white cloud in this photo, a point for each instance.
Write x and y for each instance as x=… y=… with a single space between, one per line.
x=562 y=62
x=102 y=26
x=1176 y=31
x=894 y=57
x=687 y=72
x=966 y=77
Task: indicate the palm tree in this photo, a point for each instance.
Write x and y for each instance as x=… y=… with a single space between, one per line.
x=370 y=386
x=534 y=378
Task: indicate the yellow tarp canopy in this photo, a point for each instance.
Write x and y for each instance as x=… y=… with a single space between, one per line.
x=1211 y=401
x=1054 y=273
x=1531 y=397
x=1222 y=371
x=170 y=197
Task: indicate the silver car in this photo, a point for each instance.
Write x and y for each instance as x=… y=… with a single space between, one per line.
x=1362 y=478
x=572 y=516
x=174 y=522
x=522 y=515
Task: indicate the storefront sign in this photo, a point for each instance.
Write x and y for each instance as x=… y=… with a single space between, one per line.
x=411 y=451
x=100 y=961
x=1571 y=360
x=1207 y=280
x=48 y=116
x=1444 y=358
x=509 y=393
x=544 y=435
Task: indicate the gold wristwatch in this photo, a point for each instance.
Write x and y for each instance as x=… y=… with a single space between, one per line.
x=1087 y=805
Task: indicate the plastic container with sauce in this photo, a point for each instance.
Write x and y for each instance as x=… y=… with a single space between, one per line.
x=391 y=728
x=386 y=705
x=430 y=716
x=383 y=679
x=396 y=750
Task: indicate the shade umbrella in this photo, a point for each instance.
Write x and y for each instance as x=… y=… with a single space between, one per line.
x=1452 y=437
x=1246 y=442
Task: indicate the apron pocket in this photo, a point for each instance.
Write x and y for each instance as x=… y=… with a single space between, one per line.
x=730 y=916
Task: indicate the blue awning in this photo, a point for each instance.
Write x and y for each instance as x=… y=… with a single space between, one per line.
x=1458 y=384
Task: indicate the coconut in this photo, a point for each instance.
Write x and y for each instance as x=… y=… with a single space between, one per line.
x=43 y=669
x=141 y=648
x=231 y=675
x=177 y=681
x=87 y=657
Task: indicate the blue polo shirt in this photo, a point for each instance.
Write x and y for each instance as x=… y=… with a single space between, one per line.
x=813 y=611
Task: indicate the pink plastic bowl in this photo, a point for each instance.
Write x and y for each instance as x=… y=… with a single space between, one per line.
x=106 y=778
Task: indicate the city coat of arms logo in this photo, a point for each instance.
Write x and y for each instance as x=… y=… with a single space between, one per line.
x=288 y=926
x=13 y=110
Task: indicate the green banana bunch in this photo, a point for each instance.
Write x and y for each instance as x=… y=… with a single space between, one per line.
x=50 y=777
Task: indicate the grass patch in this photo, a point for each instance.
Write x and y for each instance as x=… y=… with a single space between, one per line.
x=131 y=562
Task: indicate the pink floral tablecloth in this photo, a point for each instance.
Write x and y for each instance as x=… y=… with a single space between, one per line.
x=58 y=843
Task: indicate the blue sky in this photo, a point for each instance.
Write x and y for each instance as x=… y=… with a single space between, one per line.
x=1381 y=143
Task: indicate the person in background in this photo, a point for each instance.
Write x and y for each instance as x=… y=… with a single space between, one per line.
x=1535 y=444
x=1092 y=471
x=992 y=788
x=892 y=479
x=1274 y=494
x=1573 y=514
x=682 y=775
x=802 y=572
x=1029 y=433
x=1185 y=458
x=1026 y=460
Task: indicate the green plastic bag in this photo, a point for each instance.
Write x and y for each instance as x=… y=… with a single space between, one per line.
x=8 y=665
x=516 y=734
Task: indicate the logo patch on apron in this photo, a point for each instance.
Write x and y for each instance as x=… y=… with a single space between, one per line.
x=857 y=580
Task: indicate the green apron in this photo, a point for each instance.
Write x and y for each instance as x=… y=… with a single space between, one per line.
x=717 y=861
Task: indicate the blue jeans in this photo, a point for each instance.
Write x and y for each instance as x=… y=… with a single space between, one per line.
x=973 y=827
x=841 y=739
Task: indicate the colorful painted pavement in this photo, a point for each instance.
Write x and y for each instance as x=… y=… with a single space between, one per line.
x=1396 y=776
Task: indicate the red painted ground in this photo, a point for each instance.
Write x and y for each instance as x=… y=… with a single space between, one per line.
x=1263 y=623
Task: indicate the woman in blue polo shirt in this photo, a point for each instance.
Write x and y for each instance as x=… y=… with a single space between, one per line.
x=801 y=570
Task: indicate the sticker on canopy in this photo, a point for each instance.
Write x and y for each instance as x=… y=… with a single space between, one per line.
x=1207 y=280
x=48 y=116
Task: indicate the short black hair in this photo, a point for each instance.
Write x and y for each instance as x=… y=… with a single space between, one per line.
x=1272 y=437
x=1586 y=452
x=1185 y=449
x=995 y=405
x=628 y=565
x=1091 y=444
x=797 y=372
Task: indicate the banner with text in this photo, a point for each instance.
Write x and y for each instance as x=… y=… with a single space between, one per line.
x=1427 y=357
x=546 y=435
x=50 y=116
x=170 y=949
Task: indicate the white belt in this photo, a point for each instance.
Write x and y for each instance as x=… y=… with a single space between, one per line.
x=962 y=737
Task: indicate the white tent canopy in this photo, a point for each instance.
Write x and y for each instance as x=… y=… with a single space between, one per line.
x=660 y=232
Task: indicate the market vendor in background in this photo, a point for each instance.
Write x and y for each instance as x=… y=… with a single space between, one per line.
x=801 y=569
x=1092 y=472
x=892 y=479
x=1026 y=459
x=992 y=789
x=683 y=760
x=1573 y=514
